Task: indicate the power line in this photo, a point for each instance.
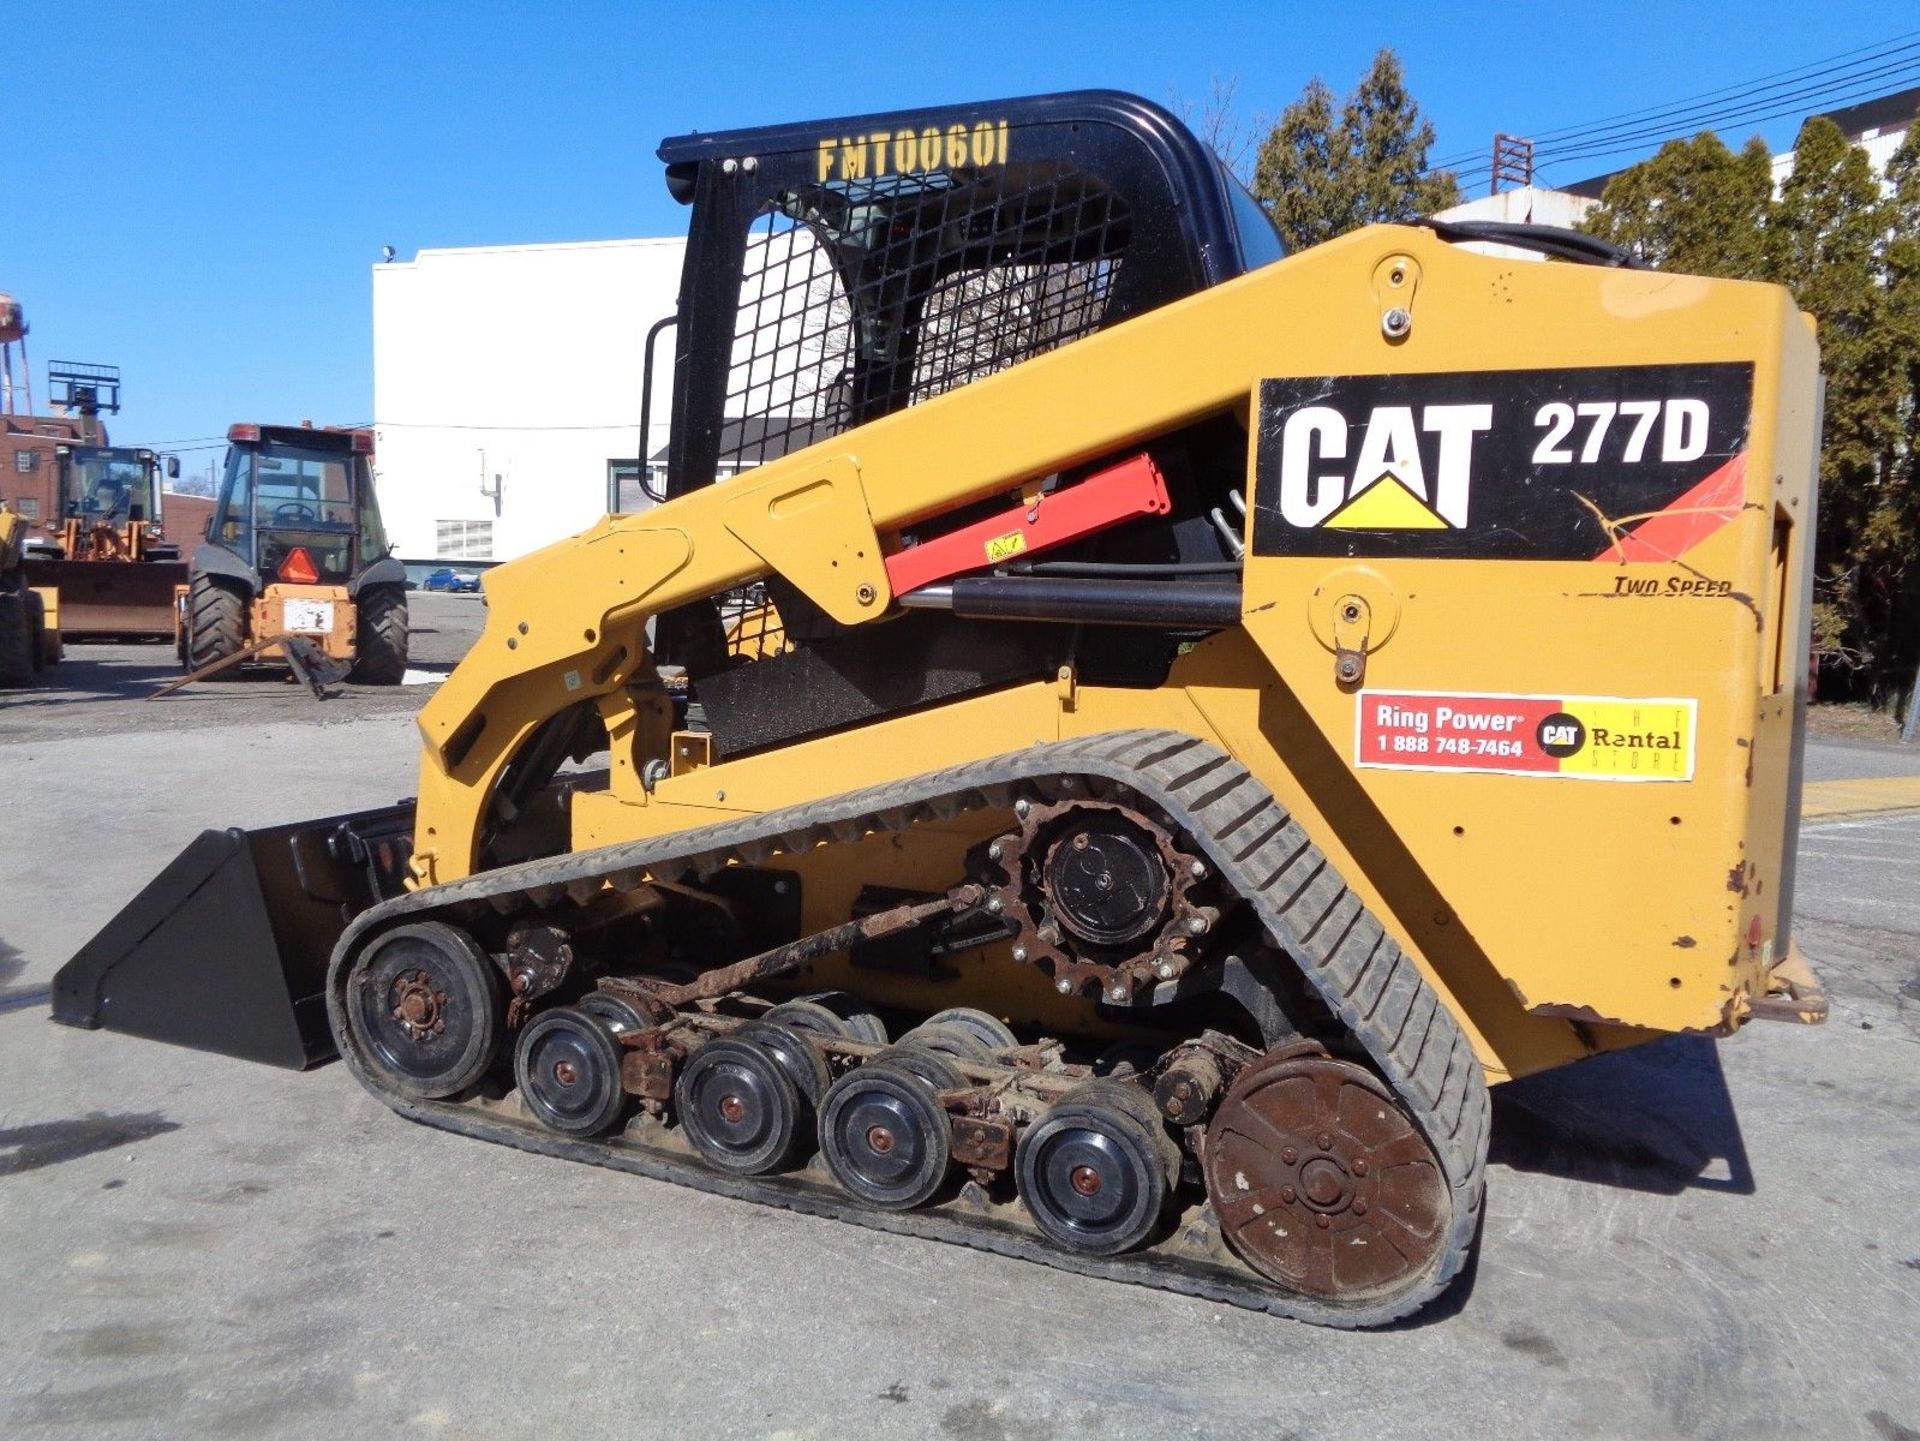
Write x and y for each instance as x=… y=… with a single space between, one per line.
x=1592 y=154
x=1811 y=70
x=1820 y=83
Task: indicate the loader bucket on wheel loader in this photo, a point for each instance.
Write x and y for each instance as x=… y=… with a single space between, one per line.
x=226 y=949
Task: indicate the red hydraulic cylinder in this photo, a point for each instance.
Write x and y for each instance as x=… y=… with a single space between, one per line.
x=1121 y=492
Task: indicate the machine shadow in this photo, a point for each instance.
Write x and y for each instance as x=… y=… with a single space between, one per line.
x=1655 y=1118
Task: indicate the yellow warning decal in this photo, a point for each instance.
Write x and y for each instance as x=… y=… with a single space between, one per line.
x=1002 y=546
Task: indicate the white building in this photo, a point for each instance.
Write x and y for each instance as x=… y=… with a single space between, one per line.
x=506 y=382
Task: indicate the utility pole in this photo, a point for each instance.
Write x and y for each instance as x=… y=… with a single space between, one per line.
x=1512 y=162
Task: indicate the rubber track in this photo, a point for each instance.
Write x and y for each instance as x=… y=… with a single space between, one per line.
x=1358 y=970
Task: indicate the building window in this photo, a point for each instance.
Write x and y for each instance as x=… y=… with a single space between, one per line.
x=624 y=493
x=27 y=507
x=26 y=462
x=463 y=539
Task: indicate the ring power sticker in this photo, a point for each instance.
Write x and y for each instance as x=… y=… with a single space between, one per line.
x=1593 y=738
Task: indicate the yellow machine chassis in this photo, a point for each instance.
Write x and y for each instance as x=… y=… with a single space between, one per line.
x=1555 y=918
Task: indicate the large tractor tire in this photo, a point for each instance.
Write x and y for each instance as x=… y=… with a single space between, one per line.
x=216 y=623
x=381 y=635
x=37 y=632
x=16 y=634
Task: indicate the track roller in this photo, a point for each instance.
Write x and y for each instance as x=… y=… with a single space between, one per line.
x=621 y=1015
x=567 y=1065
x=929 y=1066
x=1096 y=1170
x=738 y=1107
x=831 y=1013
x=953 y=1041
x=885 y=1138
x=426 y=1010
x=798 y=1057
x=993 y=1032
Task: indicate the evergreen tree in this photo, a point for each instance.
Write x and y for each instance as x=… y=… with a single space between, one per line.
x=1901 y=326
x=1694 y=207
x=1826 y=249
x=1320 y=176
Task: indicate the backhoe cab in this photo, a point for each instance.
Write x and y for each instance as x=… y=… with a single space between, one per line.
x=295 y=547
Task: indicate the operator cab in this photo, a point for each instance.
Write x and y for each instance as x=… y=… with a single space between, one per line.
x=297 y=504
x=108 y=485
x=840 y=270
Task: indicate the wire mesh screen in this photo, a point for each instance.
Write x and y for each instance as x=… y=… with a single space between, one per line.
x=860 y=298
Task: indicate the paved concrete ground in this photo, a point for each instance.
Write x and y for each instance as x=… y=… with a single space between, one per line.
x=1688 y=1240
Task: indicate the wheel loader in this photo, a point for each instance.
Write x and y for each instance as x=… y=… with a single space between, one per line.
x=295 y=549
x=1233 y=711
x=29 y=615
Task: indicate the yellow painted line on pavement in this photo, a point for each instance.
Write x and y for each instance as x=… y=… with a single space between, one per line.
x=1829 y=800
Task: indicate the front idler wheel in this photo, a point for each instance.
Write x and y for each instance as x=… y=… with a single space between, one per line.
x=740 y=1111
x=426 y=1010
x=885 y=1137
x=1094 y=1174
x=568 y=1068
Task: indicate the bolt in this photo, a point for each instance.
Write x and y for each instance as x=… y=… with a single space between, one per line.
x=1323 y=1222
x=1175 y=1107
x=1019 y=953
x=1395 y=323
x=1198 y=870
x=1360 y=1167
x=1289 y=1155
x=1117 y=991
x=750 y=164
x=880 y=1138
x=1067 y=783
x=995 y=904
x=1183 y=1090
x=1359 y=1206
x=1080 y=841
x=1348 y=668
x=1063 y=986
x=1085 y=1180
x=732 y=1108
x=1196 y=925
x=864 y=594
x=994 y=851
x=1350 y=611
x=1020 y=808
x=1163 y=968
x=1326 y=1141
x=779 y=888
x=1288 y=1194
x=728 y=166
x=564 y=1073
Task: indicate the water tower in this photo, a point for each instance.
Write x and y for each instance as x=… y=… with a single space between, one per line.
x=16 y=397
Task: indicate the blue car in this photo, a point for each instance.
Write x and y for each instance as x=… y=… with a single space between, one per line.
x=448 y=579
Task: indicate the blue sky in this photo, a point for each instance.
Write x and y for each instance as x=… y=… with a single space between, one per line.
x=196 y=192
